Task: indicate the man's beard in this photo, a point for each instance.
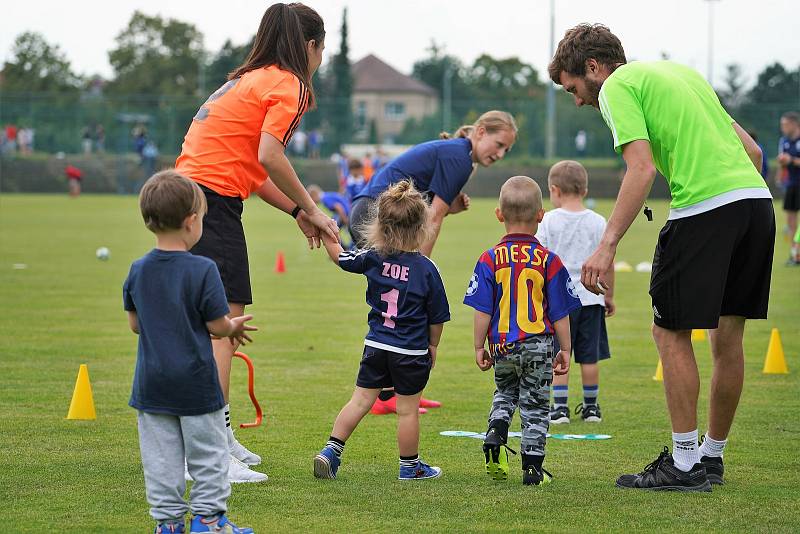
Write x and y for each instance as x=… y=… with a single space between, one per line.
x=594 y=91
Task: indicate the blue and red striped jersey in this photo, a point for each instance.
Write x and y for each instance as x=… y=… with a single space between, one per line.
x=524 y=288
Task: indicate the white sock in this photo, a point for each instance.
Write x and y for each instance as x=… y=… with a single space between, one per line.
x=228 y=429
x=684 y=450
x=712 y=447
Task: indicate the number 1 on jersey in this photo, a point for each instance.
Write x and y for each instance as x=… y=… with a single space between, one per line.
x=390 y=298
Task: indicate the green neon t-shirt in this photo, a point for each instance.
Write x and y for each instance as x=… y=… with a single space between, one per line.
x=693 y=143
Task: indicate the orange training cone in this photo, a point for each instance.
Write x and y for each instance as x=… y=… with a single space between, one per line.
x=82 y=405
x=775 y=364
x=280 y=263
x=659 y=376
x=698 y=335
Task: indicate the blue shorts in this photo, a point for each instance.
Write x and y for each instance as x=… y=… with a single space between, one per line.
x=587 y=328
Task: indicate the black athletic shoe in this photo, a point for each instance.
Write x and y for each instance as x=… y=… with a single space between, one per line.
x=715 y=469
x=590 y=414
x=495 y=451
x=536 y=477
x=559 y=415
x=661 y=474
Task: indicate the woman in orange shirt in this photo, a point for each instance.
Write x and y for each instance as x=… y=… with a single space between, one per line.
x=235 y=147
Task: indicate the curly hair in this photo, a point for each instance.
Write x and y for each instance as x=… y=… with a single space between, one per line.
x=400 y=220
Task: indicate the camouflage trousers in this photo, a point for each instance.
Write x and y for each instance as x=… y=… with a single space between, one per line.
x=522 y=378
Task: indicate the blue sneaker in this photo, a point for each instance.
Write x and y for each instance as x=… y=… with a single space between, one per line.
x=218 y=524
x=326 y=463
x=420 y=472
x=170 y=528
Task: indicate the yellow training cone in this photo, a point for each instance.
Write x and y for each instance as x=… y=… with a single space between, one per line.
x=698 y=335
x=82 y=405
x=659 y=376
x=775 y=364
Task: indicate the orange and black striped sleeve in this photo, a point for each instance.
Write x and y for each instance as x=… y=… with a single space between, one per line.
x=286 y=103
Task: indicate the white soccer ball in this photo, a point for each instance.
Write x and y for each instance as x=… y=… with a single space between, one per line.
x=472 y=288
x=102 y=253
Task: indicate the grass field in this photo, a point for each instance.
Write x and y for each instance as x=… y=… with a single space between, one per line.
x=65 y=309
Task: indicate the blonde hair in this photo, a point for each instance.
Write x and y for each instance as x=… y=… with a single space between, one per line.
x=493 y=121
x=520 y=200
x=400 y=220
x=167 y=198
x=570 y=177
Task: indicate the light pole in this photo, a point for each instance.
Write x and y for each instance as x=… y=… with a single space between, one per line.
x=710 y=72
x=550 y=139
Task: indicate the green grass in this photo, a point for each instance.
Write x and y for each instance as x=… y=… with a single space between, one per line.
x=85 y=476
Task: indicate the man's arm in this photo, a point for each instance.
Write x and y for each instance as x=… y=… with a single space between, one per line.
x=632 y=193
x=750 y=146
x=438 y=211
x=133 y=321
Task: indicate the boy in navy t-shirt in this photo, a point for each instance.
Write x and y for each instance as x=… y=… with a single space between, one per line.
x=174 y=301
x=522 y=295
x=408 y=307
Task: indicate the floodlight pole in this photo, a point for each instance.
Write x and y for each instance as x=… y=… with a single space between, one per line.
x=710 y=72
x=447 y=94
x=550 y=139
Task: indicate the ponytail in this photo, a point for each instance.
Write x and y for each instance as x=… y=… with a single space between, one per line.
x=281 y=40
x=492 y=121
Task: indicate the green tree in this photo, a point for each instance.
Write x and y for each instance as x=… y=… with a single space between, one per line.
x=733 y=93
x=157 y=56
x=37 y=66
x=341 y=109
x=225 y=61
x=503 y=79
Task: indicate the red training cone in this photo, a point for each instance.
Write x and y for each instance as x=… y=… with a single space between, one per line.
x=280 y=263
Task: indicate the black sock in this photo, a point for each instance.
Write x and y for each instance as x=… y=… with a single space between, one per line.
x=409 y=461
x=386 y=395
x=532 y=460
x=337 y=445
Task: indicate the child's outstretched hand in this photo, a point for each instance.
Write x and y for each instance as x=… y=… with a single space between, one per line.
x=483 y=359
x=240 y=330
x=561 y=363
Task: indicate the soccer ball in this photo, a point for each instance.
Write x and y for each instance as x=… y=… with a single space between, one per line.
x=472 y=288
x=102 y=253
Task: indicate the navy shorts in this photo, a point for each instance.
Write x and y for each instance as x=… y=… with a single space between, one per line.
x=587 y=328
x=384 y=369
x=223 y=242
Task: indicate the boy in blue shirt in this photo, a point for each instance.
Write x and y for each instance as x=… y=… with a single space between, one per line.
x=174 y=301
x=522 y=295
x=408 y=309
x=336 y=203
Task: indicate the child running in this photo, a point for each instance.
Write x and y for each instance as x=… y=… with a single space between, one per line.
x=408 y=309
x=174 y=300
x=522 y=294
x=573 y=232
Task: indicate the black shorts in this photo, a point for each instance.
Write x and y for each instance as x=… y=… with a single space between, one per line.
x=383 y=369
x=713 y=264
x=587 y=329
x=223 y=242
x=791 y=198
x=360 y=214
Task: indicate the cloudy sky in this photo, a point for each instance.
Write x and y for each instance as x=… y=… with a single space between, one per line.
x=747 y=32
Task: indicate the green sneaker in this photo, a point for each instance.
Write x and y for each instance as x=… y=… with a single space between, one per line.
x=495 y=452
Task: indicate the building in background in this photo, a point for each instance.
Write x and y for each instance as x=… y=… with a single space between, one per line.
x=383 y=99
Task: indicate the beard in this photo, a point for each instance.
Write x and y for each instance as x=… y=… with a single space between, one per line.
x=593 y=90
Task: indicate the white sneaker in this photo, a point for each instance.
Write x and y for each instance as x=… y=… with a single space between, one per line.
x=245 y=456
x=238 y=472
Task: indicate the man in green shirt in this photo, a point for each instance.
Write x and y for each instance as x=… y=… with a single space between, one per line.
x=713 y=260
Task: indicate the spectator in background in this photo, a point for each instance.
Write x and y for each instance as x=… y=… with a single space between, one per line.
x=10 y=139
x=343 y=170
x=139 y=133
x=764 y=165
x=99 y=138
x=789 y=172
x=74 y=176
x=355 y=181
x=314 y=143
x=369 y=170
x=86 y=140
x=380 y=160
x=581 y=140
x=148 y=162
x=298 y=143
x=25 y=140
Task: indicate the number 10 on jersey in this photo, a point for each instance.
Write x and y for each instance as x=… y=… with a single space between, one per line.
x=529 y=289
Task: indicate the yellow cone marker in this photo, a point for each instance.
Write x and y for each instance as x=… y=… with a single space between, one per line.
x=775 y=363
x=698 y=335
x=82 y=405
x=659 y=376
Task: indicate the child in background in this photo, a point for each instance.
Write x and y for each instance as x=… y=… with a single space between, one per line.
x=522 y=295
x=573 y=232
x=355 y=181
x=408 y=309
x=74 y=176
x=337 y=204
x=174 y=301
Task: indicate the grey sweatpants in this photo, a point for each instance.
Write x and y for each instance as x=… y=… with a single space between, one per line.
x=522 y=378
x=165 y=440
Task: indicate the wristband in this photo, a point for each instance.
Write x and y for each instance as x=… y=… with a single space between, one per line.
x=296 y=211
